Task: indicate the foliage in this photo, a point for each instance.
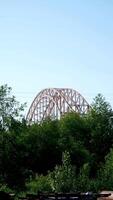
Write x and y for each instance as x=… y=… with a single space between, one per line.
x=38 y=184
x=62 y=179
x=83 y=181
x=73 y=136
x=12 y=160
x=25 y=151
x=5 y=188
x=105 y=174
x=100 y=125
x=9 y=107
x=42 y=145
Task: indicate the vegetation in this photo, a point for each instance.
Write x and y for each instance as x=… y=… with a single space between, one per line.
x=74 y=153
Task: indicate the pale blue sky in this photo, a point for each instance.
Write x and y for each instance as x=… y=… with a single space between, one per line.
x=57 y=43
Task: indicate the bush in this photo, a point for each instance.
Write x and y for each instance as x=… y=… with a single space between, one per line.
x=62 y=179
x=5 y=188
x=38 y=184
x=105 y=175
x=85 y=182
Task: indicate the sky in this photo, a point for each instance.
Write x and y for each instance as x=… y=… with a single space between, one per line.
x=57 y=43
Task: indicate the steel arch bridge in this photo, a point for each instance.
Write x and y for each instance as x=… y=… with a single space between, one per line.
x=55 y=102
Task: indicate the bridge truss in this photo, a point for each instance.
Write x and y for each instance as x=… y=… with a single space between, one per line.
x=55 y=102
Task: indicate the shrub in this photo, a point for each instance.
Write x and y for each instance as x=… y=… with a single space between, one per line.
x=62 y=179
x=38 y=184
x=105 y=175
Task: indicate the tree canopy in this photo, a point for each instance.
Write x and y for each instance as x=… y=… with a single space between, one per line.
x=31 y=155
x=9 y=106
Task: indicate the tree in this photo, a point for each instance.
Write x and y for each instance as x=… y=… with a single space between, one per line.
x=73 y=137
x=9 y=107
x=42 y=144
x=105 y=175
x=10 y=127
x=13 y=156
x=100 y=129
x=62 y=179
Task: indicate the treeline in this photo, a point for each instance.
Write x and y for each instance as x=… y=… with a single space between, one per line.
x=74 y=153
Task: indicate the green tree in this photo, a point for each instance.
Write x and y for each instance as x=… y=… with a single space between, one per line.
x=73 y=138
x=100 y=125
x=43 y=147
x=105 y=174
x=62 y=179
x=9 y=106
x=10 y=111
x=13 y=157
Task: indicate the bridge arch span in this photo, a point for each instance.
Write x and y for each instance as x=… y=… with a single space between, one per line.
x=54 y=102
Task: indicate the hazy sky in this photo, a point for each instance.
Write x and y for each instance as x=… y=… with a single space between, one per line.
x=57 y=43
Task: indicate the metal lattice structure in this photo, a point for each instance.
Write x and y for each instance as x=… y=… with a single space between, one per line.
x=55 y=102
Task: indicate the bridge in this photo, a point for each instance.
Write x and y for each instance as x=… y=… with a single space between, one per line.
x=55 y=102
